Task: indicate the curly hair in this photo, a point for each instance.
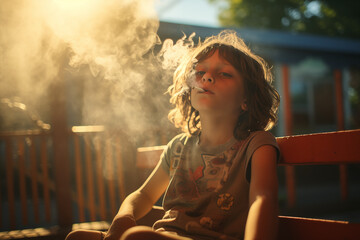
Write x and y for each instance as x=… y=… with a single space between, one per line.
x=262 y=99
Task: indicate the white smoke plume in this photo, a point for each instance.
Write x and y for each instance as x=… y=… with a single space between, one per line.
x=104 y=50
x=113 y=39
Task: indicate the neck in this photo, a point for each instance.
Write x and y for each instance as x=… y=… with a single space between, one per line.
x=216 y=131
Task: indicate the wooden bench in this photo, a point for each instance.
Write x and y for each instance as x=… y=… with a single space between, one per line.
x=341 y=147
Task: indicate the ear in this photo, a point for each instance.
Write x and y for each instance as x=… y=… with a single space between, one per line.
x=244 y=105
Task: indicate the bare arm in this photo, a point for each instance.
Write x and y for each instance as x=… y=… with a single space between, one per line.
x=262 y=221
x=138 y=203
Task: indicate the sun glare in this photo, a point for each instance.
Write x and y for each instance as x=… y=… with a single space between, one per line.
x=76 y=5
x=78 y=9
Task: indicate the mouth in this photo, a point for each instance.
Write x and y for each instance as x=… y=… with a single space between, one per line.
x=201 y=90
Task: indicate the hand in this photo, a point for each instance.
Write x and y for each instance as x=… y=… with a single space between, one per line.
x=119 y=225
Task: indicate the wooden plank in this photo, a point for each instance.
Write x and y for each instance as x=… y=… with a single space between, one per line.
x=23 y=133
x=34 y=180
x=120 y=171
x=321 y=148
x=289 y=170
x=296 y=228
x=343 y=182
x=110 y=171
x=89 y=179
x=62 y=178
x=78 y=178
x=88 y=129
x=100 y=179
x=45 y=177
x=287 y=100
x=341 y=126
x=10 y=181
x=339 y=100
x=60 y=139
x=22 y=182
x=290 y=186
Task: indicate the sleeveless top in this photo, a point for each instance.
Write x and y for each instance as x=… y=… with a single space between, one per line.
x=208 y=193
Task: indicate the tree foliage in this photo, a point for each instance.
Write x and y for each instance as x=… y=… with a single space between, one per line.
x=324 y=17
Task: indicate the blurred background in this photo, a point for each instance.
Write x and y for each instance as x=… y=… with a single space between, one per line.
x=83 y=85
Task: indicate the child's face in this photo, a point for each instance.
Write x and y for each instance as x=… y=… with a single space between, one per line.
x=223 y=85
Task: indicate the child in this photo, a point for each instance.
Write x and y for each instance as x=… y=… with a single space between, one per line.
x=219 y=176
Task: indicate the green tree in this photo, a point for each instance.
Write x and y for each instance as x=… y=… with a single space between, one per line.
x=324 y=17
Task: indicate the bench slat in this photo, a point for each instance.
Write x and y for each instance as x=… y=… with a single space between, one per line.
x=296 y=228
x=321 y=148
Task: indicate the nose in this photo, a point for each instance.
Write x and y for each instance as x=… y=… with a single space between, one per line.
x=207 y=77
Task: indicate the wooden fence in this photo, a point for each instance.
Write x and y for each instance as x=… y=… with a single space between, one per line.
x=27 y=177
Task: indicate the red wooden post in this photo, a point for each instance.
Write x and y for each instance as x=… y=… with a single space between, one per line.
x=339 y=100
x=111 y=175
x=289 y=170
x=22 y=180
x=10 y=182
x=78 y=177
x=45 y=177
x=60 y=134
x=341 y=126
x=89 y=178
x=287 y=100
x=120 y=171
x=34 y=180
x=100 y=178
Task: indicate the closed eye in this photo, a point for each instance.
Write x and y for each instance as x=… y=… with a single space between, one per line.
x=225 y=74
x=200 y=73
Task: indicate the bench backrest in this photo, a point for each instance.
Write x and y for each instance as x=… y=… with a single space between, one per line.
x=319 y=148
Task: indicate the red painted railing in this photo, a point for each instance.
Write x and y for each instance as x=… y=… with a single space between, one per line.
x=101 y=171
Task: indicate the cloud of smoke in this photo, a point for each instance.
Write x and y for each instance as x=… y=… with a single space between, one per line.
x=27 y=50
x=113 y=76
x=113 y=38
